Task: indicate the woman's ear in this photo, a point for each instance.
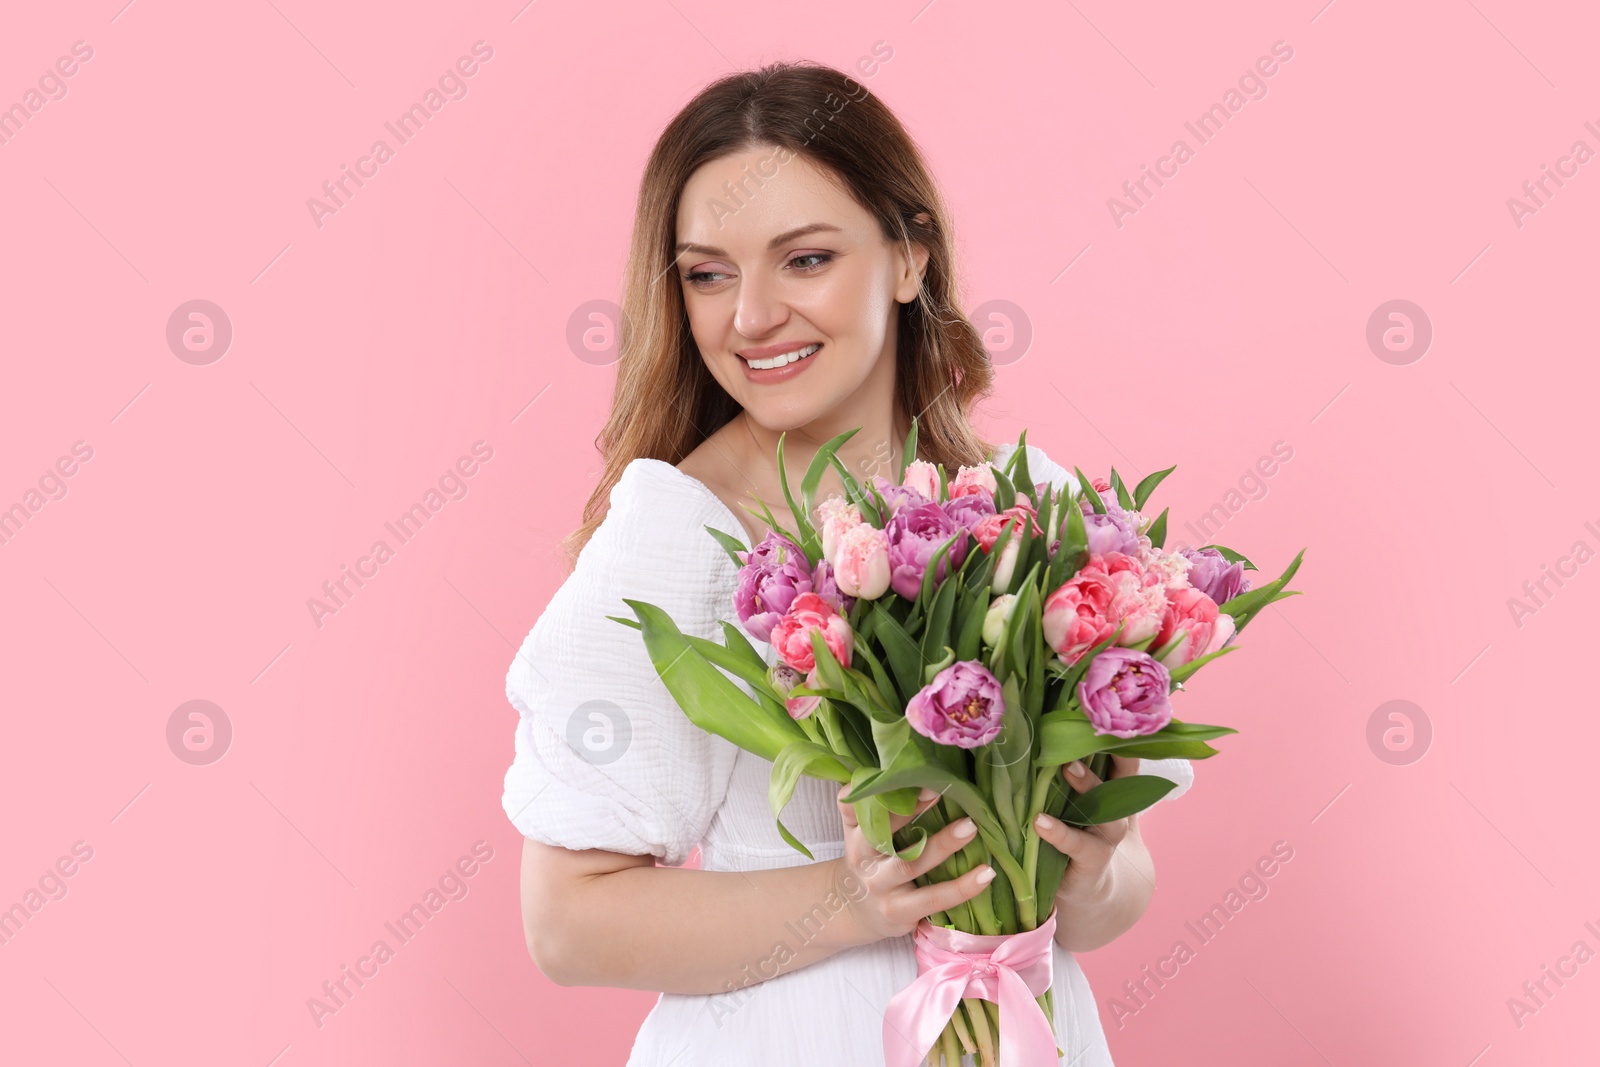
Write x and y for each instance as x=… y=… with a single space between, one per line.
x=911 y=281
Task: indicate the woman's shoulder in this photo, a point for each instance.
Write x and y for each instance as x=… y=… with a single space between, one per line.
x=1040 y=465
x=658 y=516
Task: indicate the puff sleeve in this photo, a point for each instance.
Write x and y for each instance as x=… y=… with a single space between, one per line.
x=1043 y=468
x=604 y=756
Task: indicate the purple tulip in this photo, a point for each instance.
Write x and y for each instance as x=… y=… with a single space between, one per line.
x=962 y=706
x=774 y=573
x=897 y=496
x=1111 y=532
x=915 y=533
x=1214 y=575
x=826 y=586
x=968 y=508
x=1124 y=693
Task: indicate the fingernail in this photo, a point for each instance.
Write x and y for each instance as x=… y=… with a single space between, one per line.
x=1044 y=822
x=1076 y=768
x=986 y=876
x=964 y=827
x=926 y=794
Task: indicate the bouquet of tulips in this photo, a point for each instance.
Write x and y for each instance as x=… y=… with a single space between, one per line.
x=969 y=635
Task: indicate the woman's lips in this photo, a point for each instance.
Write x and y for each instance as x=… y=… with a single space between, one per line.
x=774 y=375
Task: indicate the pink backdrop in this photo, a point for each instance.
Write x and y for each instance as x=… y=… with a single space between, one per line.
x=185 y=496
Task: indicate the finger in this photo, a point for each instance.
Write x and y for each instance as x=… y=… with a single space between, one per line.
x=941 y=846
x=1090 y=845
x=1122 y=766
x=927 y=799
x=941 y=896
x=1079 y=776
x=847 y=812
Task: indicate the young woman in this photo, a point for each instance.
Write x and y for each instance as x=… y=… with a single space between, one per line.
x=792 y=270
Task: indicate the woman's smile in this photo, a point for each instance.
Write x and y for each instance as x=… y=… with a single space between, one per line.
x=780 y=367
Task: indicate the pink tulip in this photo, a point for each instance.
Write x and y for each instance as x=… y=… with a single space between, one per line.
x=809 y=613
x=1138 y=597
x=1075 y=615
x=923 y=477
x=861 y=561
x=974 y=480
x=837 y=517
x=1208 y=629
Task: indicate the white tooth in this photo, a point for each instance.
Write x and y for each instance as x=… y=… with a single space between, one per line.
x=785 y=359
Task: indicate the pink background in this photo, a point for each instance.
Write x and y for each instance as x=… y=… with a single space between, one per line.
x=432 y=310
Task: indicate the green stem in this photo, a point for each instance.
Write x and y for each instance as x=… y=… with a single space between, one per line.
x=840 y=741
x=992 y=1010
x=950 y=1047
x=958 y=1020
x=961 y=916
x=988 y=1050
x=1030 y=848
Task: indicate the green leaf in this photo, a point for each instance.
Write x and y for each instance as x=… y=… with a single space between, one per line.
x=1023 y=477
x=873 y=817
x=908 y=454
x=886 y=687
x=933 y=565
x=1064 y=739
x=936 y=636
x=974 y=606
x=730 y=544
x=796 y=759
x=904 y=656
x=1158 y=530
x=1090 y=493
x=1015 y=741
x=1122 y=492
x=1244 y=607
x=1117 y=799
x=936 y=777
x=830 y=672
x=813 y=475
x=932 y=668
x=1074 y=550
x=857 y=494
x=1005 y=492
x=754 y=674
x=1171 y=644
x=733 y=636
x=1142 y=491
x=1193 y=731
x=807 y=539
x=1184 y=670
x=1167 y=750
x=1233 y=557
x=711 y=699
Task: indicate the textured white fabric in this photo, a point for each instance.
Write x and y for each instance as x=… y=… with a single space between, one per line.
x=604 y=758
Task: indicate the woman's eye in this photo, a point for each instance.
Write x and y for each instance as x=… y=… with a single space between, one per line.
x=804 y=264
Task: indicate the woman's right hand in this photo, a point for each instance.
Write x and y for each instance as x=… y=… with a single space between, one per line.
x=884 y=901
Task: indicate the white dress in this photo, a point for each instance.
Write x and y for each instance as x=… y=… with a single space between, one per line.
x=606 y=759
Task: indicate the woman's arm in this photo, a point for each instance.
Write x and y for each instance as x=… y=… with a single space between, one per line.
x=1110 y=876
x=1092 y=919
x=595 y=917
x=600 y=918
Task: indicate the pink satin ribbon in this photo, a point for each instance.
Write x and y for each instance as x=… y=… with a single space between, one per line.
x=1008 y=969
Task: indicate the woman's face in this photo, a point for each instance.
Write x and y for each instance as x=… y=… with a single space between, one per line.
x=755 y=286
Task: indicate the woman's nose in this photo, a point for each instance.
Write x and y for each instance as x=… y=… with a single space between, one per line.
x=760 y=308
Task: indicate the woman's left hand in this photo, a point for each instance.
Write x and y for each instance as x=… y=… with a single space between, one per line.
x=1091 y=876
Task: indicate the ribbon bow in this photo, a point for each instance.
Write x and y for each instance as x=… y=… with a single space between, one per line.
x=1009 y=969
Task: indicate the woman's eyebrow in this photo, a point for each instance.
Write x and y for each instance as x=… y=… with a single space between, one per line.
x=781 y=239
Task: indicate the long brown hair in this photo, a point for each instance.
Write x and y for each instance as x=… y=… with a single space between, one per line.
x=666 y=401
